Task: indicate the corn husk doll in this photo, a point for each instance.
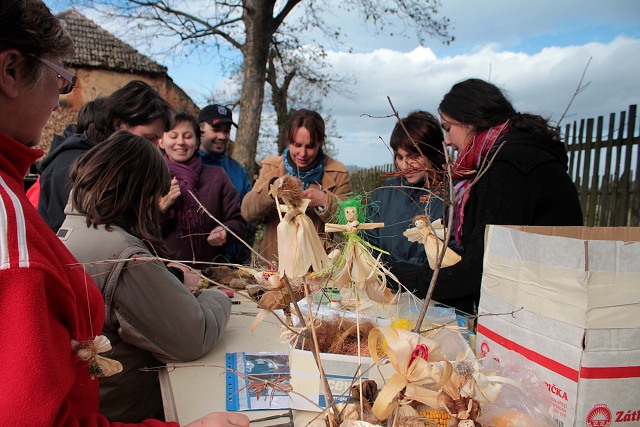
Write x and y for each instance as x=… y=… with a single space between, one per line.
x=430 y=234
x=356 y=264
x=299 y=246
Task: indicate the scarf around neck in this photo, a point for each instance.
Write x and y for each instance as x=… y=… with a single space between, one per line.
x=189 y=220
x=309 y=175
x=466 y=168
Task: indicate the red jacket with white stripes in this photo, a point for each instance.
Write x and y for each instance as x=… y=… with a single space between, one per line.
x=46 y=300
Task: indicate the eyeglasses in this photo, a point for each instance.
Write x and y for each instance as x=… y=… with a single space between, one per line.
x=67 y=79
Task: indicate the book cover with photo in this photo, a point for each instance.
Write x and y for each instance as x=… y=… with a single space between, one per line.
x=246 y=376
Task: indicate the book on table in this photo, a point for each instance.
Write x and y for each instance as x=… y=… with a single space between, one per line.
x=254 y=380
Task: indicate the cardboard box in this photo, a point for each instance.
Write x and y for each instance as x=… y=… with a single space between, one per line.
x=575 y=297
x=340 y=369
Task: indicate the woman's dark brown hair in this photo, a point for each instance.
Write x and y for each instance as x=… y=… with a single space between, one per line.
x=311 y=121
x=419 y=134
x=29 y=27
x=483 y=105
x=120 y=182
x=136 y=103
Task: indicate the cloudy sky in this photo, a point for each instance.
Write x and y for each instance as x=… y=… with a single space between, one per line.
x=536 y=51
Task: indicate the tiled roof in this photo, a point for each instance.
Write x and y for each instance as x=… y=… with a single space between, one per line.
x=97 y=48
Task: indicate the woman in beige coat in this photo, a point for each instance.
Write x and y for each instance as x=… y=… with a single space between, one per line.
x=324 y=180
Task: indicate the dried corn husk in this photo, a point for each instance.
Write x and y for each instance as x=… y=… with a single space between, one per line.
x=415 y=378
x=88 y=351
x=356 y=265
x=485 y=387
x=299 y=245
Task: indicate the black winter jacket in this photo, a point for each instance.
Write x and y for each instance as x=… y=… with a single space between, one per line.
x=395 y=204
x=55 y=182
x=527 y=184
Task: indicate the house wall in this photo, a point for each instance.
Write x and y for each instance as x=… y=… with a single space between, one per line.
x=93 y=83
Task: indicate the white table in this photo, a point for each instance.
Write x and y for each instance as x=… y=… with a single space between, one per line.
x=193 y=389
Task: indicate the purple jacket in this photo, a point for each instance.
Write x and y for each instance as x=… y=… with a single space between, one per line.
x=218 y=195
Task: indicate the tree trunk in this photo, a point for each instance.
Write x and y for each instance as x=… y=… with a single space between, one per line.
x=279 y=100
x=281 y=121
x=258 y=18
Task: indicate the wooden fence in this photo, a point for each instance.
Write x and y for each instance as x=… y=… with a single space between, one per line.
x=603 y=163
x=364 y=181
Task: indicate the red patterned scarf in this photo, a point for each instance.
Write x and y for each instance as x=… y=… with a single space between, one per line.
x=466 y=168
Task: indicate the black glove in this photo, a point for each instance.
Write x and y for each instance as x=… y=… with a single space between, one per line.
x=177 y=272
x=412 y=276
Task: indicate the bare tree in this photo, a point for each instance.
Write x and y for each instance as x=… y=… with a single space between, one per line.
x=299 y=77
x=250 y=27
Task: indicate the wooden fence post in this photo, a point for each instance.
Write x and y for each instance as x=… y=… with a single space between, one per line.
x=633 y=188
x=596 y=190
x=606 y=217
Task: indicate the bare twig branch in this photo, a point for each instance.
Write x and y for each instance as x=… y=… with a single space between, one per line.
x=579 y=89
x=228 y=230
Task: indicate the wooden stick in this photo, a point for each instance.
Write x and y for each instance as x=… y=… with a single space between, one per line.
x=314 y=347
x=359 y=354
x=228 y=230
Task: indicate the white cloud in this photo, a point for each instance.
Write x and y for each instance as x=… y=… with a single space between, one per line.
x=542 y=83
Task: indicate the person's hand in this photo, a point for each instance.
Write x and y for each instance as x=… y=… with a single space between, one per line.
x=191 y=280
x=217 y=237
x=317 y=197
x=168 y=199
x=221 y=419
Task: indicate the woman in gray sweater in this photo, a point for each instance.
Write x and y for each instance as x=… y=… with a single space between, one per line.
x=112 y=228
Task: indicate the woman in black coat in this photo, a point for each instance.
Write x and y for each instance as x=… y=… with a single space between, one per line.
x=525 y=182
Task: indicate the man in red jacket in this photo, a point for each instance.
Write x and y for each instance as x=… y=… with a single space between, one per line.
x=48 y=303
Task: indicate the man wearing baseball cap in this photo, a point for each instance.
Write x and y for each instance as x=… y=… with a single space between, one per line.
x=215 y=123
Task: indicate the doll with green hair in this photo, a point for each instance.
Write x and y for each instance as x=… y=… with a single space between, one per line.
x=355 y=264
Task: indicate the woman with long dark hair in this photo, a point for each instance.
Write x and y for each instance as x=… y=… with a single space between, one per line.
x=417 y=144
x=525 y=180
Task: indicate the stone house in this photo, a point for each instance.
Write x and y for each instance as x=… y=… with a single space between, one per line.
x=104 y=63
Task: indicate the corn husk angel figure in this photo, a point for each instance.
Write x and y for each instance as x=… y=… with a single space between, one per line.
x=431 y=235
x=271 y=293
x=299 y=245
x=89 y=351
x=355 y=264
x=468 y=387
